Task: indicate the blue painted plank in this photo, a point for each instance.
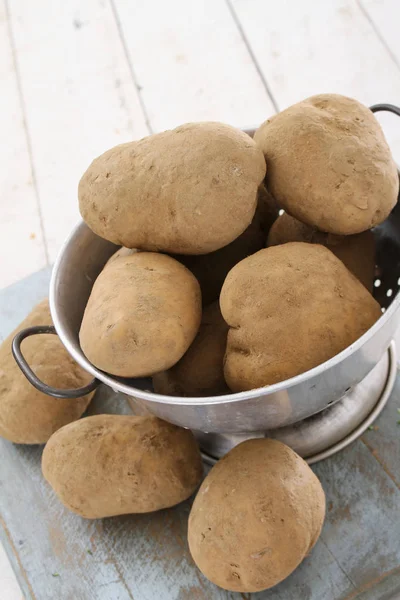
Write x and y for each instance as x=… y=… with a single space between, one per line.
x=56 y=554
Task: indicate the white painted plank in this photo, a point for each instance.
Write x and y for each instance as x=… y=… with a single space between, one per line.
x=22 y=248
x=309 y=47
x=384 y=17
x=191 y=63
x=80 y=97
x=9 y=587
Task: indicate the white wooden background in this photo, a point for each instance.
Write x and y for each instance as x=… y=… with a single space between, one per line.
x=78 y=77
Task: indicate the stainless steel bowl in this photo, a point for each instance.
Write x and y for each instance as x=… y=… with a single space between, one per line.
x=80 y=261
x=82 y=258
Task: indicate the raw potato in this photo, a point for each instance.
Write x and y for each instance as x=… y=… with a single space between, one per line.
x=200 y=372
x=290 y=308
x=329 y=164
x=211 y=269
x=109 y=465
x=26 y=415
x=357 y=252
x=142 y=315
x=256 y=516
x=191 y=190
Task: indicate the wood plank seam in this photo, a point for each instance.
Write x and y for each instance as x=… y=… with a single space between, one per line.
x=372 y=583
x=380 y=461
x=113 y=560
x=378 y=33
x=252 y=55
x=130 y=66
x=353 y=584
x=17 y=558
x=26 y=129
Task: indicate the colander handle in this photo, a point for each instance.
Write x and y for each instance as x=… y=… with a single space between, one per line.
x=30 y=375
x=388 y=107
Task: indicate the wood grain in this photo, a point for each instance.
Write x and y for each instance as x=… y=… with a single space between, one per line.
x=79 y=96
x=305 y=48
x=21 y=233
x=191 y=63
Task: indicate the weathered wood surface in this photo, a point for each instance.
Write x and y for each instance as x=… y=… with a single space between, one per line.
x=79 y=77
x=56 y=554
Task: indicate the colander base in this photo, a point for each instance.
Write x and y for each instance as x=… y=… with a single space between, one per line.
x=327 y=432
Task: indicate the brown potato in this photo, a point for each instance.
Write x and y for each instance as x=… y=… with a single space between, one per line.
x=329 y=164
x=187 y=191
x=256 y=516
x=211 y=269
x=290 y=308
x=357 y=252
x=200 y=372
x=142 y=315
x=109 y=465
x=26 y=415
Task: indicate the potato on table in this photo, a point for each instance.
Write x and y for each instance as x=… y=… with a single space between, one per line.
x=211 y=269
x=200 y=372
x=111 y=465
x=28 y=416
x=329 y=164
x=289 y=309
x=357 y=252
x=256 y=516
x=191 y=190
x=143 y=313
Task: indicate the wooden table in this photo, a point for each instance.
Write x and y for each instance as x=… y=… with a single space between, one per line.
x=77 y=78
x=56 y=554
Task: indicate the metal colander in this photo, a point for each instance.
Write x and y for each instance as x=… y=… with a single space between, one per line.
x=82 y=258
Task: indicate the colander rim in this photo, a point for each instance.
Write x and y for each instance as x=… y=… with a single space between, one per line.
x=117 y=385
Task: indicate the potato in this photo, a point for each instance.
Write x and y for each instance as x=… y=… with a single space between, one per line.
x=191 y=190
x=290 y=308
x=200 y=372
x=256 y=516
x=329 y=164
x=109 y=465
x=26 y=415
x=142 y=315
x=211 y=269
x=357 y=252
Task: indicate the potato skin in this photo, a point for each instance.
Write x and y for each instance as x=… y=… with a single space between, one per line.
x=211 y=269
x=191 y=190
x=290 y=308
x=200 y=372
x=26 y=415
x=256 y=516
x=142 y=315
x=357 y=252
x=108 y=465
x=329 y=164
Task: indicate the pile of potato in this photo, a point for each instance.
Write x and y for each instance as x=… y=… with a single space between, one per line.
x=194 y=209
x=213 y=292
x=246 y=532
